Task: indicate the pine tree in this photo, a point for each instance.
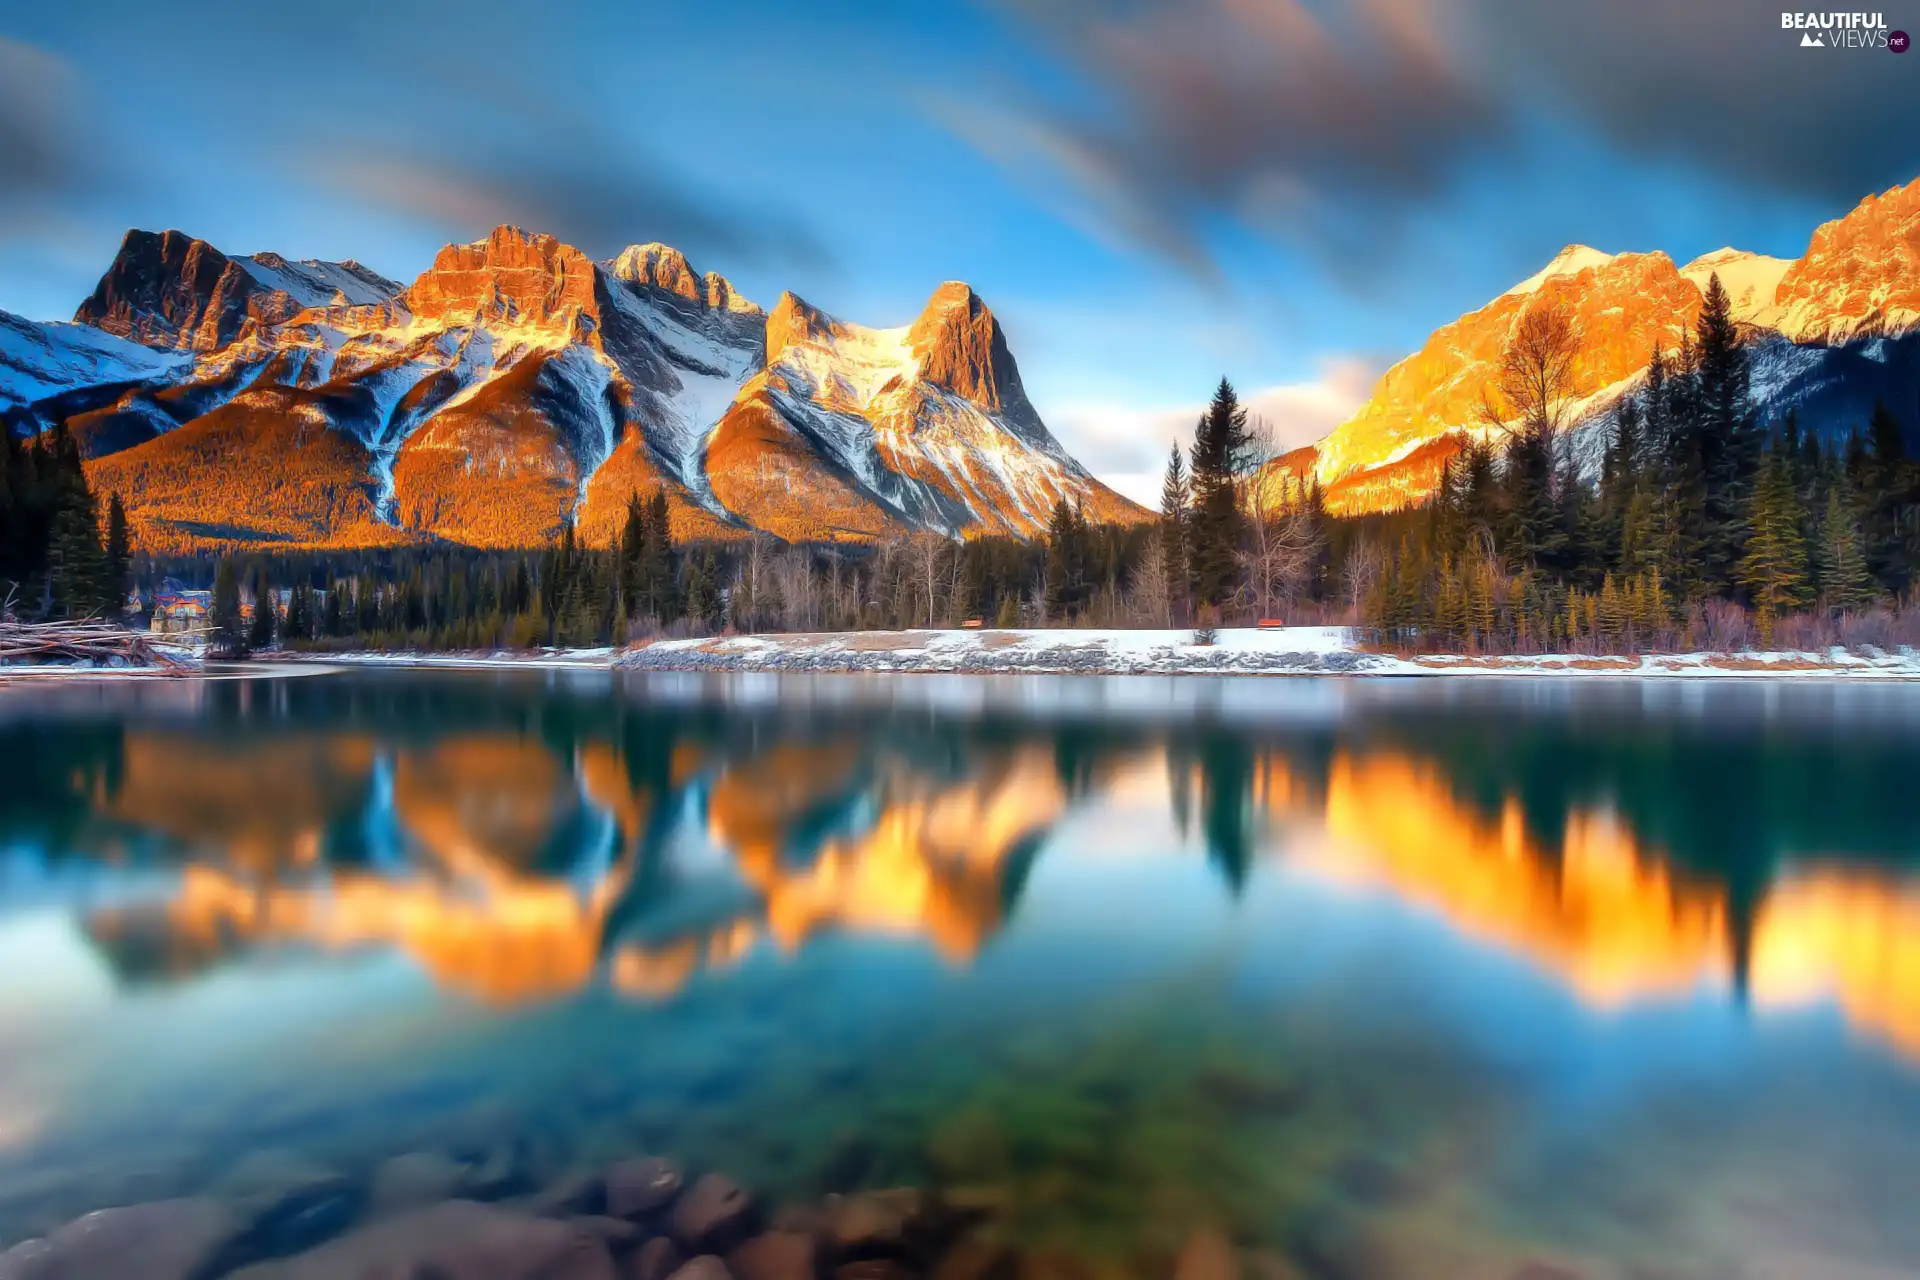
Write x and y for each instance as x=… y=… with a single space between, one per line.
x=1068 y=584
x=1884 y=490
x=334 y=620
x=1615 y=610
x=119 y=555
x=227 y=634
x=1774 y=569
x=298 y=627
x=1221 y=445
x=1845 y=581
x=632 y=537
x=76 y=566
x=1726 y=446
x=1175 y=497
x=261 y=627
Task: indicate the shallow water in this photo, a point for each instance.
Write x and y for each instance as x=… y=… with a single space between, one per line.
x=1377 y=978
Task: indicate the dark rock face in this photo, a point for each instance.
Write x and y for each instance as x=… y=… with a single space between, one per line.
x=171 y=290
x=165 y=1240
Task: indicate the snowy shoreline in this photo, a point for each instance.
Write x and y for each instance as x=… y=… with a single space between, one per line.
x=1285 y=651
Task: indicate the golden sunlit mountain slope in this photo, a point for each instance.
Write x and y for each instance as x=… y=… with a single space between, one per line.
x=1804 y=321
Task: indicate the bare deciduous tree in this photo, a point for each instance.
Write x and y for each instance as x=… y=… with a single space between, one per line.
x=1282 y=537
x=1365 y=567
x=1531 y=390
x=926 y=556
x=1149 y=600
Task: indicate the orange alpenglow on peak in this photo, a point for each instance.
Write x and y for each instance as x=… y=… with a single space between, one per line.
x=1803 y=320
x=517 y=384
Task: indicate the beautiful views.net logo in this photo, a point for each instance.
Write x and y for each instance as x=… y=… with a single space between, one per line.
x=1844 y=31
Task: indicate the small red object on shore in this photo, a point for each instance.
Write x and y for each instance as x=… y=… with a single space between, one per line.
x=971 y=624
x=1272 y=624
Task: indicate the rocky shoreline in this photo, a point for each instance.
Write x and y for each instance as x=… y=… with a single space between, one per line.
x=424 y=1216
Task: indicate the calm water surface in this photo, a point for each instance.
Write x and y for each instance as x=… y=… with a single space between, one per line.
x=1431 y=978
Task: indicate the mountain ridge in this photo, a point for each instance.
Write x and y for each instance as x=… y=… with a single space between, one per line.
x=516 y=384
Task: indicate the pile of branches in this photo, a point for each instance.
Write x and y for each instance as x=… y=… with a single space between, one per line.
x=100 y=643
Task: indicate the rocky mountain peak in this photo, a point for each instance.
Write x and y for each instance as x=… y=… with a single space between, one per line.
x=662 y=267
x=168 y=289
x=960 y=346
x=794 y=321
x=511 y=276
x=1860 y=276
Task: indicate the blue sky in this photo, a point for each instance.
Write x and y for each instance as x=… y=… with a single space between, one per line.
x=1150 y=193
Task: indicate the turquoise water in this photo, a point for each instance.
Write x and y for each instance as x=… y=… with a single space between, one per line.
x=1420 y=978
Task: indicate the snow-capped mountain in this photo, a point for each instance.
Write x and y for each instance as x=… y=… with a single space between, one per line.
x=1831 y=332
x=517 y=383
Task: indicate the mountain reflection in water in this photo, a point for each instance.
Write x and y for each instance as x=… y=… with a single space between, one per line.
x=1404 y=979
x=518 y=843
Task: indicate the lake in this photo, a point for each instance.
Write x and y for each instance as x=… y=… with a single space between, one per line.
x=1420 y=978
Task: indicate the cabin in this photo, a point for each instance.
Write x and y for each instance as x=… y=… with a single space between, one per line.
x=175 y=612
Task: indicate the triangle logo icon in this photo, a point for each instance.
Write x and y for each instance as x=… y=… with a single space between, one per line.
x=1808 y=40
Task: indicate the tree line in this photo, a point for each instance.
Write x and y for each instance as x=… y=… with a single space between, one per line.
x=1685 y=520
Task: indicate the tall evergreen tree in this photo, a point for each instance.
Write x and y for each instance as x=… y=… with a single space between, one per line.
x=1221 y=451
x=1774 y=569
x=119 y=553
x=1885 y=491
x=263 y=625
x=1175 y=499
x=1068 y=584
x=227 y=632
x=1846 y=583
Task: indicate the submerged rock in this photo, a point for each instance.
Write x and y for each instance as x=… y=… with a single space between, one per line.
x=457 y=1240
x=164 y=1240
x=704 y=1267
x=712 y=1214
x=775 y=1255
x=638 y=1187
x=872 y=1221
x=580 y=1193
x=655 y=1260
x=415 y=1180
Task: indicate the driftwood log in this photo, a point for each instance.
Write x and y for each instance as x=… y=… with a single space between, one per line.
x=101 y=643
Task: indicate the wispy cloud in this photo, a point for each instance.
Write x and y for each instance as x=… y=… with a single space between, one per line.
x=1334 y=128
x=41 y=157
x=1320 y=125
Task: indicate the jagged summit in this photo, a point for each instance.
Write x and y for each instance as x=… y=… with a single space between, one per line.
x=511 y=276
x=169 y=289
x=960 y=346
